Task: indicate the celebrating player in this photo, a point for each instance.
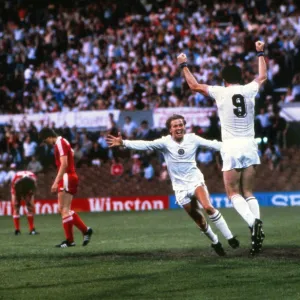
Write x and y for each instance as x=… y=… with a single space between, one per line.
x=239 y=151
x=23 y=186
x=65 y=184
x=179 y=150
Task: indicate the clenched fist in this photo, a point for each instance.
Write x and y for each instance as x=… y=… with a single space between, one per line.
x=181 y=58
x=259 y=46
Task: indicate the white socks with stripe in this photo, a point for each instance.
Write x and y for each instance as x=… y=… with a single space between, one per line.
x=242 y=207
x=210 y=234
x=221 y=224
x=254 y=206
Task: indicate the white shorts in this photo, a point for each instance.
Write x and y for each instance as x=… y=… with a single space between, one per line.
x=239 y=153
x=184 y=197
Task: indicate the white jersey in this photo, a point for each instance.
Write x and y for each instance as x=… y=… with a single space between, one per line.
x=236 y=109
x=179 y=157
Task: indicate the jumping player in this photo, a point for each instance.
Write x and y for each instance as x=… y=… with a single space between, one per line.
x=23 y=187
x=65 y=184
x=179 y=150
x=239 y=152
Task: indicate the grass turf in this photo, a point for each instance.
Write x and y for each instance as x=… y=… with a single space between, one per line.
x=150 y=255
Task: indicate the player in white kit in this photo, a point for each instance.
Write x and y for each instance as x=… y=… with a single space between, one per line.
x=179 y=150
x=239 y=152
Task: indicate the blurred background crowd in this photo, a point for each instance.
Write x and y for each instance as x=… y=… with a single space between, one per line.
x=102 y=55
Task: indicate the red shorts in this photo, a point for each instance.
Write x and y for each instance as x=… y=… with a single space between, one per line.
x=69 y=183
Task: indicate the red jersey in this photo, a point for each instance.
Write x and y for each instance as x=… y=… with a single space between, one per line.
x=63 y=148
x=20 y=175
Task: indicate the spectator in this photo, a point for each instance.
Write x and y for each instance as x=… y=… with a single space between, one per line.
x=3 y=175
x=46 y=156
x=96 y=155
x=112 y=127
x=205 y=156
x=279 y=128
x=17 y=157
x=264 y=123
x=148 y=171
x=29 y=147
x=136 y=165
x=214 y=131
x=106 y=152
x=288 y=97
x=78 y=155
x=129 y=128
x=164 y=175
x=34 y=165
x=116 y=169
x=296 y=87
x=11 y=173
x=4 y=156
x=144 y=132
x=86 y=145
x=273 y=157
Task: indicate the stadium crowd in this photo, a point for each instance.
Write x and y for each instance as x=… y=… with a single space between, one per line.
x=23 y=150
x=95 y=55
x=107 y=54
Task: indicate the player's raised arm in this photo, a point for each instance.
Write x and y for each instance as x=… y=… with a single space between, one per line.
x=190 y=79
x=114 y=141
x=214 y=144
x=262 y=67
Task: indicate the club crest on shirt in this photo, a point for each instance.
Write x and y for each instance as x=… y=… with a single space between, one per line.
x=180 y=151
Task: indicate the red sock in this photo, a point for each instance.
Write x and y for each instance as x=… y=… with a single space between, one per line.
x=68 y=228
x=30 y=221
x=78 y=222
x=16 y=222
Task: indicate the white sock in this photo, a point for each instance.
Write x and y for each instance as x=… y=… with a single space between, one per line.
x=211 y=235
x=254 y=206
x=241 y=206
x=221 y=224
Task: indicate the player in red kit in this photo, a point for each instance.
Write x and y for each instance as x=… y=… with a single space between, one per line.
x=65 y=184
x=23 y=186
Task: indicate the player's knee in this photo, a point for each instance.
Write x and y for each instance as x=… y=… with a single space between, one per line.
x=64 y=211
x=232 y=191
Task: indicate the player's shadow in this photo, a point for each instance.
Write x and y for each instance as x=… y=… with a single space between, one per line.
x=281 y=252
x=33 y=285
x=272 y=252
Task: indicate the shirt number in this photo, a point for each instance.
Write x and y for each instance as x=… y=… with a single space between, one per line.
x=238 y=102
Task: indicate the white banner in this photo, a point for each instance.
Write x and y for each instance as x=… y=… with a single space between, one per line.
x=80 y=119
x=291 y=112
x=193 y=115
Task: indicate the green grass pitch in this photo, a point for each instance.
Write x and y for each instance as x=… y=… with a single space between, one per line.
x=150 y=255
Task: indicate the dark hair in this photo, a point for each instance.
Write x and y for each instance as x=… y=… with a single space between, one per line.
x=24 y=187
x=46 y=132
x=232 y=74
x=172 y=118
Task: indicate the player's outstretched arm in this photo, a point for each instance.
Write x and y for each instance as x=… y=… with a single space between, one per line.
x=190 y=79
x=214 y=144
x=262 y=66
x=134 y=145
